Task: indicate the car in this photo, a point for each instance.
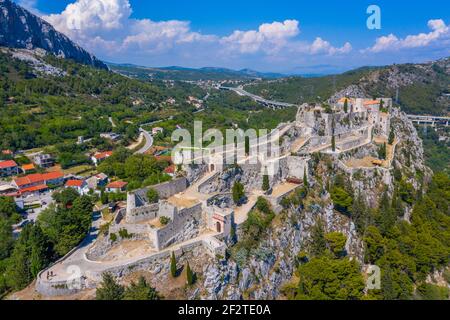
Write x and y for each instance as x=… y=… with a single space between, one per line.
x=23 y=223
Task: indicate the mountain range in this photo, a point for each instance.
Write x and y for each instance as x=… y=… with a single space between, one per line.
x=19 y=28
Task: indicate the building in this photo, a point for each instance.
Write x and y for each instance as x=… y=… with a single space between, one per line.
x=79 y=185
x=99 y=180
x=170 y=170
x=34 y=190
x=28 y=168
x=8 y=168
x=110 y=136
x=157 y=130
x=37 y=179
x=44 y=160
x=117 y=186
x=100 y=157
x=7 y=189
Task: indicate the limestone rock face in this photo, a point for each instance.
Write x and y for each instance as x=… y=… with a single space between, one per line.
x=21 y=29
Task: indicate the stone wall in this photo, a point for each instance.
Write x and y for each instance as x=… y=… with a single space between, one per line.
x=185 y=224
x=144 y=213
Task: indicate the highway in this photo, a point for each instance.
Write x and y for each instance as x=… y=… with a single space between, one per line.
x=148 y=142
x=429 y=120
x=240 y=91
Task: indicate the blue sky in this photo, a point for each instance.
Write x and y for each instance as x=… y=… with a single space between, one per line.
x=283 y=36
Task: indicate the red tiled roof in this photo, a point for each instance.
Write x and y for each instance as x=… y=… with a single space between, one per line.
x=8 y=164
x=53 y=175
x=170 y=169
x=103 y=155
x=74 y=183
x=371 y=102
x=37 y=178
x=34 y=189
x=28 y=167
x=117 y=185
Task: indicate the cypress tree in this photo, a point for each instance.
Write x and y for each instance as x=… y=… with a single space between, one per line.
x=173 y=265
x=266 y=183
x=189 y=275
x=305 y=179
x=391 y=137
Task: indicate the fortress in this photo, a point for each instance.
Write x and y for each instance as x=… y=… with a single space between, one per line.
x=197 y=209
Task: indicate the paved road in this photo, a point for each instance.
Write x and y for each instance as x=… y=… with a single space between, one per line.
x=148 y=142
x=242 y=92
x=112 y=122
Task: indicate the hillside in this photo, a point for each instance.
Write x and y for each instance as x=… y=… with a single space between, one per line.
x=189 y=74
x=422 y=88
x=21 y=29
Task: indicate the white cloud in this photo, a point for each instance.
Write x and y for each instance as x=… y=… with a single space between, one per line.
x=106 y=28
x=269 y=37
x=321 y=46
x=439 y=31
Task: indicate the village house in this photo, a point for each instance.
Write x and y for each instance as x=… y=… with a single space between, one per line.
x=8 y=168
x=100 y=157
x=110 y=136
x=79 y=185
x=117 y=186
x=55 y=178
x=28 y=168
x=99 y=180
x=7 y=152
x=170 y=170
x=7 y=190
x=44 y=160
x=157 y=130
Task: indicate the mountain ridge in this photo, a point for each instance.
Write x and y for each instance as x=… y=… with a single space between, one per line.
x=21 y=29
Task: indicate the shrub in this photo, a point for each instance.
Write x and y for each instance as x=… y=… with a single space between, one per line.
x=164 y=220
x=152 y=195
x=123 y=233
x=113 y=237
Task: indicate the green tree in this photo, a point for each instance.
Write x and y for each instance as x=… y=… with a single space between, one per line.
x=391 y=137
x=346 y=105
x=305 y=178
x=66 y=196
x=6 y=238
x=238 y=192
x=374 y=242
x=109 y=289
x=173 y=265
x=152 y=195
x=336 y=243
x=189 y=275
x=141 y=291
x=333 y=143
x=263 y=205
x=8 y=208
x=325 y=278
x=382 y=152
x=318 y=242
x=266 y=183
x=342 y=200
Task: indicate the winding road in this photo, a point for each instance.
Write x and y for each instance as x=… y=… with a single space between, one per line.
x=148 y=141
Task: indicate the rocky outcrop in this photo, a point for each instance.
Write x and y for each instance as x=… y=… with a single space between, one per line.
x=273 y=262
x=21 y=29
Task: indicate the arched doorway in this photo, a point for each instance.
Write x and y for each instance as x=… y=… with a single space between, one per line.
x=212 y=168
x=218 y=227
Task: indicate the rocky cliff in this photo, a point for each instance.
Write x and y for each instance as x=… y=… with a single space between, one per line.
x=21 y=29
